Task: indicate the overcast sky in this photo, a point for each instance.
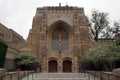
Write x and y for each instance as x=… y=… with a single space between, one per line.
x=18 y=14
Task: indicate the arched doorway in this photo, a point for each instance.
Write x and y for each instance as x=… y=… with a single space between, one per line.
x=52 y=66
x=67 y=66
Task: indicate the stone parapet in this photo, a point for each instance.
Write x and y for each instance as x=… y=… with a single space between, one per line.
x=18 y=75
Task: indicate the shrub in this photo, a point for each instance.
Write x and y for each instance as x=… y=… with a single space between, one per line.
x=26 y=60
x=102 y=58
x=3 y=50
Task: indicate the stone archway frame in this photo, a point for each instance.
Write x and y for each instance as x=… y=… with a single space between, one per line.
x=67 y=26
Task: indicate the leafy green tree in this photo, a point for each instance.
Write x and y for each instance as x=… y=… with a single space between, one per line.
x=26 y=59
x=98 y=23
x=104 y=56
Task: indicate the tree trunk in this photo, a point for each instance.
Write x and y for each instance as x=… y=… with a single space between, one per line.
x=96 y=35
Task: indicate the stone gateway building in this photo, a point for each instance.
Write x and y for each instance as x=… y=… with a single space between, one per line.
x=59 y=35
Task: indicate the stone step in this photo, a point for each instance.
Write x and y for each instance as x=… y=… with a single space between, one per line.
x=60 y=79
x=61 y=76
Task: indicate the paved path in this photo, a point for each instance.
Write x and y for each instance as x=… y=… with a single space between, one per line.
x=60 y=76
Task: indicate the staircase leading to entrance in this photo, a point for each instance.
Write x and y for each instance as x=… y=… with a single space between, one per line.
x=61 y=76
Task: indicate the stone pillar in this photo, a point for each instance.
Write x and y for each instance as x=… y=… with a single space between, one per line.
x=60 y=65
x=2 y=71
x=76 y=69
x=45 y=65
x=72 y=67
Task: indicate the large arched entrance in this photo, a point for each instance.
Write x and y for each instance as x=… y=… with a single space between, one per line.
x=52 y=66
x=67 y=66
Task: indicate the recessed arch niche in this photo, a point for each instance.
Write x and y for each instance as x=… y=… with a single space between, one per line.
x=59 y=33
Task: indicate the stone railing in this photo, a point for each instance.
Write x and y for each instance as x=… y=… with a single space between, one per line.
x=17 y=75
x=104 y=75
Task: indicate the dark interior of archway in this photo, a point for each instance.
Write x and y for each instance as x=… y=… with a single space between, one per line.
x=52 y=66
x=67 y=66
